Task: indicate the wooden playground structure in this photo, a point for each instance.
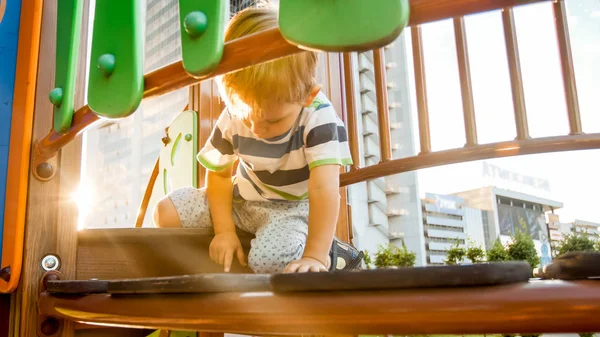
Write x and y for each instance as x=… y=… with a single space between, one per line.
x=42 y=247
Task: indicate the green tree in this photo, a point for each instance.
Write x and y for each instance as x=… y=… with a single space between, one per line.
x=367 y=259
x=497 y=253
x=475 y=253
x=576 y=242
x=522 y=247
x=455 y=254
x=394 y=256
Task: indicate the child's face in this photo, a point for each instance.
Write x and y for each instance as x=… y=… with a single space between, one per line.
x=277 y=120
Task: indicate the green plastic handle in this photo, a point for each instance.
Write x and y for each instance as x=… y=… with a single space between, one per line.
x=202 y=34
x=68 y=34
x=116 y=80
x=342 y=26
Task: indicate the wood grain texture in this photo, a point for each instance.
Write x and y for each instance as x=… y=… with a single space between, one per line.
x=108 y=254
x=51 y=226
x=40 y=229
x=532 y=307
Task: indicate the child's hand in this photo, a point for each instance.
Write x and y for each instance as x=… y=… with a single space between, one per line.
x=222 y=248
x=305 y=264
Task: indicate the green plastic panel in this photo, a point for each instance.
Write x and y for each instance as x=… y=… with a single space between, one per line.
x=202 y=34
x=68 y=33
x=178 y=165
x=337 y=26
x=116 y=80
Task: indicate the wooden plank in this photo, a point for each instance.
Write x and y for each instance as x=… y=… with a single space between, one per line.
x=40 y=232
x=52 y=224
x=108 y=254
x=495 y=309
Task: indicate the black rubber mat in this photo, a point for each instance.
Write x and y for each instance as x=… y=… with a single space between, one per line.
x=77 y=287
x=202 y=283
x=573 y=266
x=486 y=274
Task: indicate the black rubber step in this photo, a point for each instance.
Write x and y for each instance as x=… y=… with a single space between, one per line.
x=485 y=274
x=573 y=266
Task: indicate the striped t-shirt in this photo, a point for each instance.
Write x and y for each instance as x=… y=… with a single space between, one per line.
x=278 y=168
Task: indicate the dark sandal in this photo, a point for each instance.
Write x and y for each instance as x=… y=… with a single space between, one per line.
x=344 y=256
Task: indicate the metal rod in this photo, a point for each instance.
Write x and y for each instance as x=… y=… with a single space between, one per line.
x=421 y=89
x=516 y=78
x=492 y=309
x=477 y=152
x=567 y=66
x=351 y=113
x=466 y=90
x=383 y=110
x=250 y=50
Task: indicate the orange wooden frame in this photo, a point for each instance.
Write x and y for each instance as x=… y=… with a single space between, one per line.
x=20 y=141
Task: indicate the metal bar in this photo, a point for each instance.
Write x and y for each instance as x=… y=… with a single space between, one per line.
x=421 y=89
x=466 y=90
x=250 y=50
x=494 y=309
x=567 y=65
x=478 y=152
x=383 y=111
x=351 y=113
x=516 y=78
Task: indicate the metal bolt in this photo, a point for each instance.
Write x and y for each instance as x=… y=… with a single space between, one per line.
x=50 y=326
x=50 y=262
x=5 y=274
x=195 y=24
x=44 y=170
x=188 y=137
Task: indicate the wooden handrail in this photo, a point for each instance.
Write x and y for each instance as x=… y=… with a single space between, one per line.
x=250 y=50
x=534 y=307
x=471 y=153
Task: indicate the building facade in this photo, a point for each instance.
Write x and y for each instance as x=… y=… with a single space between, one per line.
x=448 y=221
x=510 y=212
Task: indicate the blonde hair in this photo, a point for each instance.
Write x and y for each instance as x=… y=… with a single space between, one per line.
x=251 y=90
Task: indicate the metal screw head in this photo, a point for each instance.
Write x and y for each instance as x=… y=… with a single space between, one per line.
x=44 y=170
x=50 y=262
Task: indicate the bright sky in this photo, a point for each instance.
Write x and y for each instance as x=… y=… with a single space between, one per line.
x=573 y=176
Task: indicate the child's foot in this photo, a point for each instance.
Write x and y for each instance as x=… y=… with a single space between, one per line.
x=344 y=256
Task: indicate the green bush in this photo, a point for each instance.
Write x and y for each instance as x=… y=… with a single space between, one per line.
x=497 y=253
x=455 y=254
x=391 y=256
x=475 y=253
x=577 y=242
x=522 y=248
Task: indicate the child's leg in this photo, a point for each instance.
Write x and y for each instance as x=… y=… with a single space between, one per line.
x=185 y=207
x=281 y=232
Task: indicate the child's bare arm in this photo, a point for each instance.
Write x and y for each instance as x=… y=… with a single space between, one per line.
x=225 y=244
x=324 y=204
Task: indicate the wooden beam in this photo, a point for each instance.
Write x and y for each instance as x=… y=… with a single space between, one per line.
x=147 y=252
x=51 y=225
x=533 y=307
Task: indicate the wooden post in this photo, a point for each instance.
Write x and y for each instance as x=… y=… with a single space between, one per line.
x=51 y=226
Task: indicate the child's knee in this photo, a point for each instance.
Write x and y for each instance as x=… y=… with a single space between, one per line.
x=165 y=214
x=270 y=258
